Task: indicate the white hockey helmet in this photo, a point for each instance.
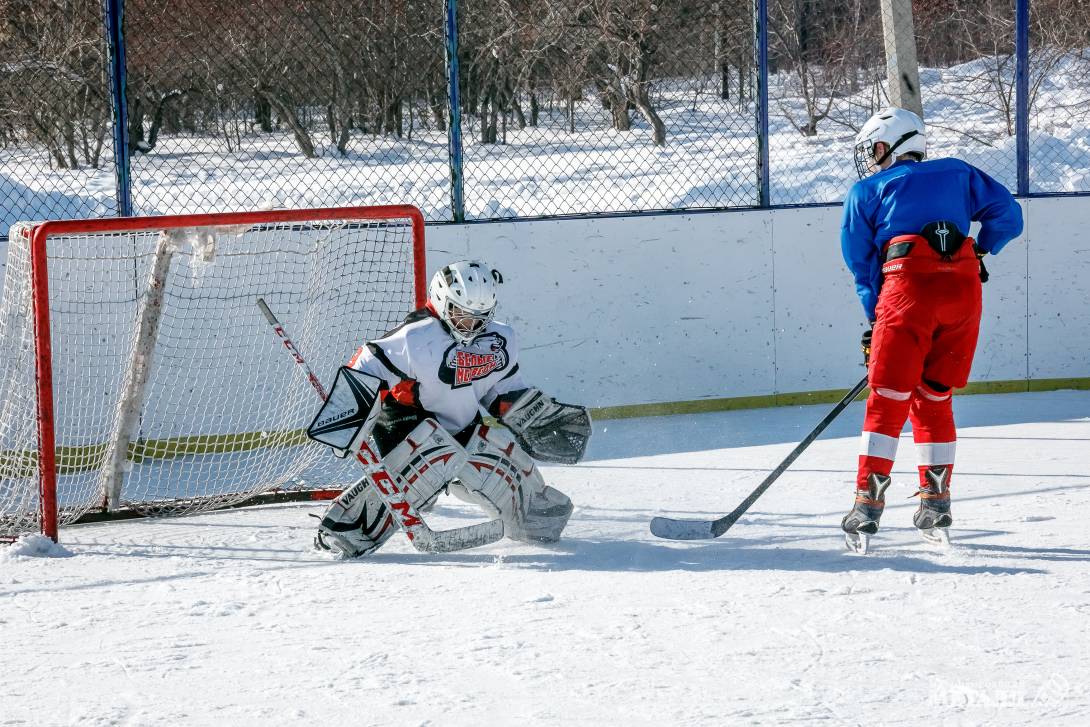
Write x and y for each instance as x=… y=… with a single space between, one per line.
x=463 y=295
x=902 y=132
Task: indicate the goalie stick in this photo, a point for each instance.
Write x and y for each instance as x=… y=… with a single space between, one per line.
x=420 y=535
x=671 y=529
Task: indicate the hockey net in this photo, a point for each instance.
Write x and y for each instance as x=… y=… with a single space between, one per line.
x=169 y=392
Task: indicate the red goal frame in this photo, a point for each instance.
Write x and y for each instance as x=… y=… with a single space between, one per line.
x=43 y=349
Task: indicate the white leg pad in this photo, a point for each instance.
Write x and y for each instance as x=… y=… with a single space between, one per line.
x=426 y=460
x=358 y=522
x=503 y=479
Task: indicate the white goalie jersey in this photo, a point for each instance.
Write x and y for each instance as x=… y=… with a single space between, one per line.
x=430 y=438
x=417 y=393
x=425 y=368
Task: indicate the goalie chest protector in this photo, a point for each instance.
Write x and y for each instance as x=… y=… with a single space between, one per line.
x=424 y=366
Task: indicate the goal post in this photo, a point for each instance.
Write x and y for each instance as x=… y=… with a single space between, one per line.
x=136 y=372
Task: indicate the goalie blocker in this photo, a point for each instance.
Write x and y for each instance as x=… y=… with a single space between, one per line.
x=492 y=472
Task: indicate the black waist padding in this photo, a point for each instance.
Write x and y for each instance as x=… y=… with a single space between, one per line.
x=897 y=250
x=944 y=238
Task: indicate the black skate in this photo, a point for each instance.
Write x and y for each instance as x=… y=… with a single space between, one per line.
x=862 y=521
x=933 y=516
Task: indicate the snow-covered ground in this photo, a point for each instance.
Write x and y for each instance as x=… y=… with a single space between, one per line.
x=231 y=619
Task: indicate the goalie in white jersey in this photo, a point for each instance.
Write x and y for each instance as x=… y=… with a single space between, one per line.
x=438 y=369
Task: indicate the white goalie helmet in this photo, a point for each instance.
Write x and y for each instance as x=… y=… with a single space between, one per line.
x=463 y=295
x=901 y=130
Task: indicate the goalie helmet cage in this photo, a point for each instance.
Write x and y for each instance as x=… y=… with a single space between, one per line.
x=171 y=397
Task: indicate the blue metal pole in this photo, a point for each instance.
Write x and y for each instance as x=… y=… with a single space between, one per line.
x=1021 y=93
x=762 y=101
x=454 y=131
x=115 y=40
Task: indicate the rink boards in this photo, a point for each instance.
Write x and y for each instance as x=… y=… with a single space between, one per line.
x=711 y=307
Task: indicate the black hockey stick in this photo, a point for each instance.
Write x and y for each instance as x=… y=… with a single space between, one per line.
x=671 y=529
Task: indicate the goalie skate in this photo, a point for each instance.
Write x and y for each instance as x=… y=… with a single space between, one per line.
x=356 y=523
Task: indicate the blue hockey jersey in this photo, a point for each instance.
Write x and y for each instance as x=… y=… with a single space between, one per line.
x=902 y=199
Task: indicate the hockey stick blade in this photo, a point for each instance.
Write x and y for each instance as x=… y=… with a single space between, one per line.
x=664 y=527
x=671 y=529
x=449 y=541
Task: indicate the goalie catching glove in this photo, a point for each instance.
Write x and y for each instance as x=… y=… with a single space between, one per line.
x=546 y=429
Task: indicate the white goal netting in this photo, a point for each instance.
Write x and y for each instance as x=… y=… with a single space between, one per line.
x=172 y=393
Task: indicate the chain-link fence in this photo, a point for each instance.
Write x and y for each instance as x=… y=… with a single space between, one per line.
x=56 y=150
x=829 y=74
x=562 y=108
x=608 y=106
x=1058 y=86
x=277 y=102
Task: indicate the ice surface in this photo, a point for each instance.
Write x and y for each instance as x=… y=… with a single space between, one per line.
x=231 y=619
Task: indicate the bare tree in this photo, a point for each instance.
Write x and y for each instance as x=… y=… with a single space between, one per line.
x=624 y=53
x=1059 y=33
x=54 y=78
x=814 y=40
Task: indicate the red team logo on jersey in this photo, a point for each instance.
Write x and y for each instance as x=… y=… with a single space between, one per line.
x=464 y=365
x=469 y=366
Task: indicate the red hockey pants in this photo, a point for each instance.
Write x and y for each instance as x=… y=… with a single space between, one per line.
x=922 y=348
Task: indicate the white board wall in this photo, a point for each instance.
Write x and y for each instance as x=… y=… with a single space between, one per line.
x=639 y=310
x=664 y=308
x=1058 y=310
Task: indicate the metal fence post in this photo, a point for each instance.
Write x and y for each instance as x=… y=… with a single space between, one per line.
x=1021 y=93
x=454 y=128
x=762 y=102
x=115 y=41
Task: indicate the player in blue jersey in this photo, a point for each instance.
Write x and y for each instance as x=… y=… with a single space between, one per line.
x=905 y=239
